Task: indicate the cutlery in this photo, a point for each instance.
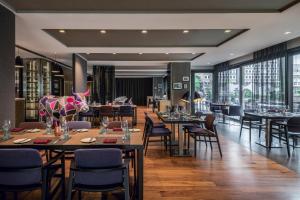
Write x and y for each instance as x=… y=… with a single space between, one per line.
x=56 y=141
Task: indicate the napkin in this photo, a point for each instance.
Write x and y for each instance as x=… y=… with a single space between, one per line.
x=16 y=129
x=110 y=140
x=41 y=141
x=117 y=129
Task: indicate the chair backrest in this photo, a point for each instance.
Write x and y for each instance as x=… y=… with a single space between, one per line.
x=106 y=110
x=97 y=159
x=32 y=125
x=293 y=124
x=117 y=124
x=209 y=122
x=79 y=125
x=126 y=110
x=25 y=167
x=234 y=111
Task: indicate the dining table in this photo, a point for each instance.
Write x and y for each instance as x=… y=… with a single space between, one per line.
x=268 y=117
x=74 y=142
x=97 y=106
x=179 y=121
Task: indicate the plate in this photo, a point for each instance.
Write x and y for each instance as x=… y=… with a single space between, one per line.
x=134 y=130
x=88 y=140
x=82 y=130
x=22 y=141
x=33 y=130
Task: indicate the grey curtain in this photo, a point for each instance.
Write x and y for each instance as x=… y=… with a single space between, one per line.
x=223 y=82
x=266 y=78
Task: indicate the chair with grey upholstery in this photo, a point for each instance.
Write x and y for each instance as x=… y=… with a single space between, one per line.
x=98 y=170
x=79 y=125
x=23 y=170
x=32 y=125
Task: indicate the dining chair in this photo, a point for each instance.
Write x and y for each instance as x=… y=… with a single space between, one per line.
x=23 y=170
x=32 y=125
x=79 y=125
x=251 y=122
x=155 y=124
x=289 y=129
x=207 y=134
x=106 y=111
x=98 y=170
x=151 y=132
x=125 y=111
x=88 y=116
x=117 y=124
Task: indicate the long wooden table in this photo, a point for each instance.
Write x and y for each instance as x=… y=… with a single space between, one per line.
x=135 y=142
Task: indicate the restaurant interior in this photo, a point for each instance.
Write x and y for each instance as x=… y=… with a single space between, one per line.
x=171 y=100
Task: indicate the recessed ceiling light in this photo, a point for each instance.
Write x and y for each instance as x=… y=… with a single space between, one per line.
x=194 y=53
x=287 y=32
x=103 y=31
x=144 y=31
x=114 y=53
x=88 y=53
x=231 y=54
x=227 y=31
x=185 y=31
x=62 y=31
x=140 y=53
x=167 y=53
x=208 y=63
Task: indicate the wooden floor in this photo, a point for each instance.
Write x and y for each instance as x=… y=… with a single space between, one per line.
x=241 y=174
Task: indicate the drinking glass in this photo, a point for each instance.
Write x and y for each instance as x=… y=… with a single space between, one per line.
x=6 y=127
x=124 y=126
x=49 y=123
x=65 y=129
x=105 y=122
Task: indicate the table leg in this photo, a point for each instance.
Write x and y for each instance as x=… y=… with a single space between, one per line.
x=135 y=116
x=140 y=174
x=267 y=133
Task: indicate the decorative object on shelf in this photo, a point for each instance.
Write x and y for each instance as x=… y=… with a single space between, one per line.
x=63 y=107
x=185 y=78
x=177 y=86
x=185 y=86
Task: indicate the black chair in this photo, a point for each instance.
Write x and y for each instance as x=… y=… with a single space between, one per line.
x=253 y=122
x=155 y=125
x=98 y=170
x=150 y=131
x=106 y=111
x=125 y=111
x=234 y=111
x=289 y=129
x=216 y=109
x=23 y=170
x=207 y=134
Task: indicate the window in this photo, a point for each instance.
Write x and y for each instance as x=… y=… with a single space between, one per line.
x=229 y=86
x=204 y=86
x=266 y=89
x=296 y=83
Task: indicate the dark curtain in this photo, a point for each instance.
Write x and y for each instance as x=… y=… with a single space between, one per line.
x=223 y=82
x=268 y=78
x=137 y=88
x=103 y=84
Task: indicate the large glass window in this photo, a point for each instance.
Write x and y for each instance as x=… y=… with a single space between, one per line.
x=296 y=83
x=204 y=86
x=264 y=84
x=229 y=86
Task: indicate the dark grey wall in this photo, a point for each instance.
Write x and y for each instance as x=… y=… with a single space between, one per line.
x=79 y=73
x=177 y=71
x=158 y=86
x=7 y=65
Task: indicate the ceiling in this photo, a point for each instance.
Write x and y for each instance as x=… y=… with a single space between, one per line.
x=138 y=38
x=264 y=28
x=141 y=56
x=153 y=6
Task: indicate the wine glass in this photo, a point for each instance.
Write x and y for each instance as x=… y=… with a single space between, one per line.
x=49 y=123
x=124 y=125
x=105 y=122
x=6 y=126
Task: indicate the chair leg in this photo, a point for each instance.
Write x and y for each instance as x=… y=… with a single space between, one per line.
x=250 y=133
x=195 y=146
x=242 y=124
x=188 y=141
x=70 y=186
x=170 y=145
x=259 y=131
x=219 y=146
x=165 y=142
x=211 y=148
x=146 y=147
x=79 y=195
x=287 y=143
x=126 y=185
